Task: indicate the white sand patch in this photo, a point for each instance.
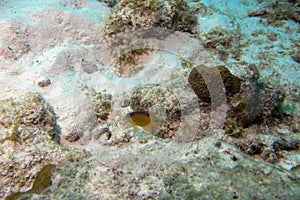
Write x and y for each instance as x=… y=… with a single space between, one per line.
x=47 y=39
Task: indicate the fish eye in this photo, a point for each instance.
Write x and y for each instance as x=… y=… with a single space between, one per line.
x=148 y=115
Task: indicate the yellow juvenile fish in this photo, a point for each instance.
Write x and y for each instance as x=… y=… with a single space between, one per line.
x=142 y=119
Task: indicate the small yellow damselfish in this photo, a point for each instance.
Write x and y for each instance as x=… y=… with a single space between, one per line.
x=142 y=119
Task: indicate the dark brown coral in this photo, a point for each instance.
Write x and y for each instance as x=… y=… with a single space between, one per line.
x=202 y=78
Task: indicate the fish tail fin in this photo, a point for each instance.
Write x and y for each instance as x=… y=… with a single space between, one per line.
x=136 y=128
x=148 y=129
x=152 y=127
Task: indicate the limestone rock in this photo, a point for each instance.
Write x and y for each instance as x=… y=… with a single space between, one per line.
x=131 y=14
x=207 y=169
x=143 y=98
x=29 y=140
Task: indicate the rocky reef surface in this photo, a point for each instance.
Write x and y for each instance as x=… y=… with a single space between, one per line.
x=222 y=85
x=29 y=142
x=159 y=169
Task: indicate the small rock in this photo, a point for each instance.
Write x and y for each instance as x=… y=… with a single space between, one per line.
x=233 y=158
x=75 y=134
x=272 y=158
x=218 y=144
x=283 y=131
x=125 y=103
x=102 y=103
x=88 y=67
x=102 y=131
x=43 y=82
x=110 y=3
x=287 y=107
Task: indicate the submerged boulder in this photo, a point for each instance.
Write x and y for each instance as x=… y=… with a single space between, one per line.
x=29 y=141
x=147 y=96
x=129 y=15
x=203 y=81
x=20 y=119
x=173 y=105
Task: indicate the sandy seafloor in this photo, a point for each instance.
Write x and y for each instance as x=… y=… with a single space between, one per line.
x=55 y=39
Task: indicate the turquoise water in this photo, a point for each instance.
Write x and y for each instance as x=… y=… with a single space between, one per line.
x=219 y=80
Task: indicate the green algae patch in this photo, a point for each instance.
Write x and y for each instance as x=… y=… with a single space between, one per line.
x=42 y=181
